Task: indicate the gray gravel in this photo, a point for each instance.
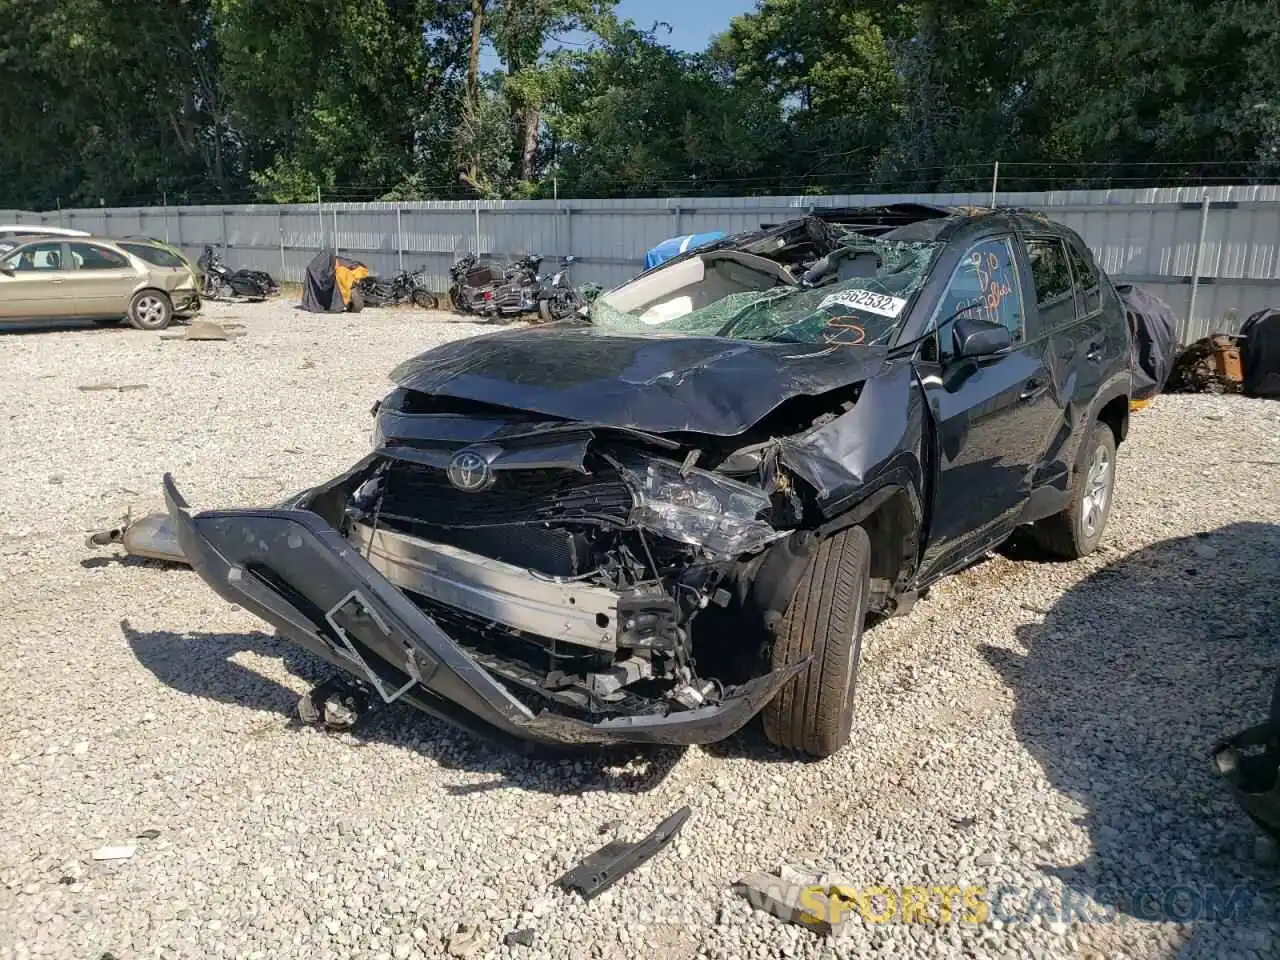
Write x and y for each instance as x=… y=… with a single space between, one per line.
x=1037 y=725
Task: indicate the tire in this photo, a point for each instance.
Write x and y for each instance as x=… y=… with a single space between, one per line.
x=356 y=303
x=813 y=713
x=1077 y=530
x=544 y=311
x=425 y=300
x=150 y=310
x=108 y=321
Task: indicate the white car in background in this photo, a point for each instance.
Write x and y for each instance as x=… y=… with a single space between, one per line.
x=11 y=234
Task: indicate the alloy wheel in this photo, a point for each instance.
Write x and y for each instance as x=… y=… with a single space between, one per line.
x=1097 y=491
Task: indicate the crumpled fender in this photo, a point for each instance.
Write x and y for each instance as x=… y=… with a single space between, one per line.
x=874 y=445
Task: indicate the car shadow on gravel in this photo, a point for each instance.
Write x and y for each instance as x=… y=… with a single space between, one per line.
x=1128 y=681
x=204 y=665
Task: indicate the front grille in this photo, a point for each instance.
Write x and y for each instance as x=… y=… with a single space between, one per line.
x=555 y=552
x=424 y=495
x=530 y=518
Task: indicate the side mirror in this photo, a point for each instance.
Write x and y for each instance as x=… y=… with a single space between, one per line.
x=6 y=269
x=980 y=338
x=570 y=259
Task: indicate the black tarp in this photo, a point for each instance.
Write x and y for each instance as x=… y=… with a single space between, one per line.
x=1260 y=354
x=1154 y=344
x=321 y=292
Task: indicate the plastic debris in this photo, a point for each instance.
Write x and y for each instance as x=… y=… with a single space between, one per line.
x=122 y=852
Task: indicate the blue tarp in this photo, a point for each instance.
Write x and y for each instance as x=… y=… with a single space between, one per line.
x=678 y=245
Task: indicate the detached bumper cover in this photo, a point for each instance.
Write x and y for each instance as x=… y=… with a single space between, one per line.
x=296 y=572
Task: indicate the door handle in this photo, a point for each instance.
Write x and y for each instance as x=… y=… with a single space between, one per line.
x=55 y=281
x=1034 y=389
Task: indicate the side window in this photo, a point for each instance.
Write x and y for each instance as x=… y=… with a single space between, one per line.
x=1052 y=278
x=37 y=256
x=87 y=256
x=1088 y=284
x=984 y=285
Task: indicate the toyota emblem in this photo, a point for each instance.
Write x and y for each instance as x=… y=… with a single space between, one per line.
x=470 y=472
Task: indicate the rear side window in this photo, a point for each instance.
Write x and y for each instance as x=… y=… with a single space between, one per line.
x=156 y=256
x=1051 y=275
x=87 y=256
x=1088 y=285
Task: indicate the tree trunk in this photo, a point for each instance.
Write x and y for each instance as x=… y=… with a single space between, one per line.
x=532 y=120
x=473 y=65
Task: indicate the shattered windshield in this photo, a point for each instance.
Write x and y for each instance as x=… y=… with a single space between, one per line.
x=874 y=282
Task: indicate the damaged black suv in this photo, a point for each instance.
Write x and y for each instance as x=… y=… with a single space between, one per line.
x=652 y=523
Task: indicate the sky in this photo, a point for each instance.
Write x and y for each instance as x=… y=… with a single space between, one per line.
x=693 y=22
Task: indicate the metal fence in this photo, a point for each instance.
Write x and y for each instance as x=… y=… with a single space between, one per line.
x=1211 y=253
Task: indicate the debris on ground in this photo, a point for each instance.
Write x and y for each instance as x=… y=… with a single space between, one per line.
x=617 y=858
x=206 y=330
x=465 y=942
x=149 y=834
x=103 y=387
x=122 y=852
x=151 y=537
x=518 y=938
x=1210 y=365
x=800 y=898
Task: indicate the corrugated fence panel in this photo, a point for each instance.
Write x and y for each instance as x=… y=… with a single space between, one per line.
x=1150 y=236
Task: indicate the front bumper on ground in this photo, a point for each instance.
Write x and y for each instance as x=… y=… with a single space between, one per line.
x=295 y=571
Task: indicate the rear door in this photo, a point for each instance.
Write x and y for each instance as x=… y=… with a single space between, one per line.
x=992 y=414
x=1067 y=315
x=33 y=285
x=101 y=280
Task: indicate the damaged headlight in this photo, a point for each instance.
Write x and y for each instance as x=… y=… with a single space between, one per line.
x=699 y=508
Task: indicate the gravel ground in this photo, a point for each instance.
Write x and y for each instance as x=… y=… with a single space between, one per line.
x=1036 y=726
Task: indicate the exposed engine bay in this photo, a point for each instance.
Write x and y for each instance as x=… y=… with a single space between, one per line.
x=573 y=567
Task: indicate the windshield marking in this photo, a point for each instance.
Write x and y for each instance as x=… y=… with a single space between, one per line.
x=879 y=303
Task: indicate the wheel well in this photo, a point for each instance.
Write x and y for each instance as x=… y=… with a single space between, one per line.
x=1116 y=416
x=163 y=293
x=893 y=529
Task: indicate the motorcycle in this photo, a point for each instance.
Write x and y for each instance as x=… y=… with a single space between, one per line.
x=485 y=289
x=220 y=282
x=404 y=287
x=558 y=299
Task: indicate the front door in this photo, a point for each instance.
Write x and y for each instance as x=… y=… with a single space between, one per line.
x=33 y=284
x=993 y=416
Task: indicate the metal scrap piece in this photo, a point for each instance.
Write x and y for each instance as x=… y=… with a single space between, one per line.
x=600 y=871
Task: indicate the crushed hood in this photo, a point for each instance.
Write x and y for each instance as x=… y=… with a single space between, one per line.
x=654 y=383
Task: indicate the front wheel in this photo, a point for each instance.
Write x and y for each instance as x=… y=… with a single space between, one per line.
x=150 y=310
x=1077 y=530
x=425 y=300
x=813 y=713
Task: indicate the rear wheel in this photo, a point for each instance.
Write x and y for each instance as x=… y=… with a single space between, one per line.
x=1077 y=530
x=813 y=713
x=150 y=310
x=356 y=303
